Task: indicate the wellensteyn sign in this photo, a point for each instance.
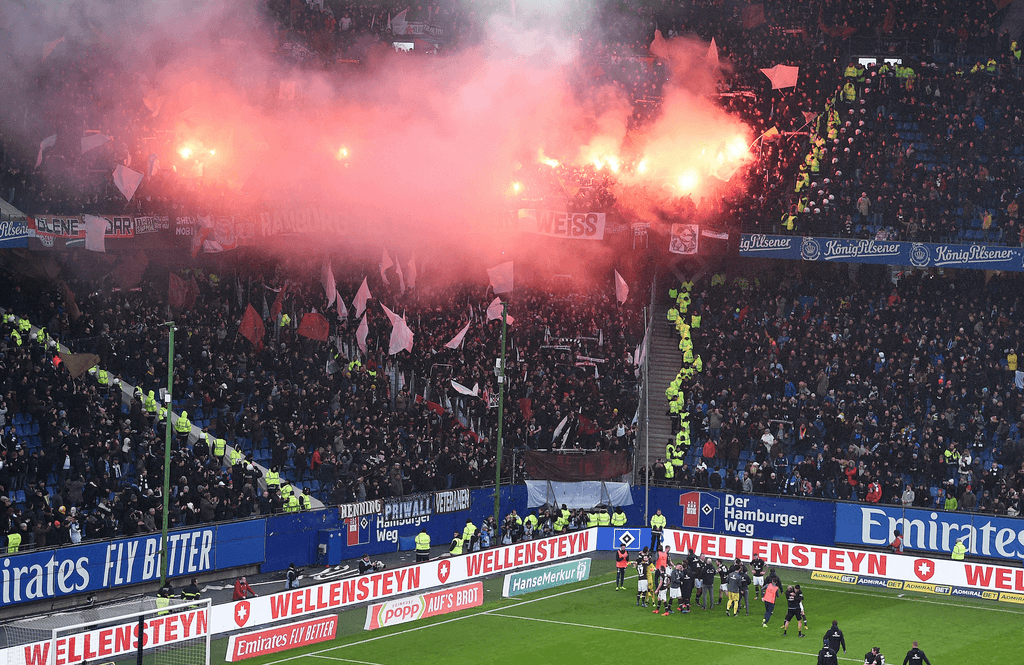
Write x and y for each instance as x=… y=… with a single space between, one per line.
x=547 y=577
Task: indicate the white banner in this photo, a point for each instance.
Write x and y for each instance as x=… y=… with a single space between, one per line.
x=685 y=239
x=916 y=573
x=574 y=225
x=264 y=610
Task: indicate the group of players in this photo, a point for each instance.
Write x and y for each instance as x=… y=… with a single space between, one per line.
x=660 y=581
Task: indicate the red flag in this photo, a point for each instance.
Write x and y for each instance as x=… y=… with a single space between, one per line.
x=752 y=16
x=69 y=301
x=314 y=326
x=129 y=272
x=526 y=406
x=251 y=328
x=275 y=309
x=177 y=292
x=191 y=293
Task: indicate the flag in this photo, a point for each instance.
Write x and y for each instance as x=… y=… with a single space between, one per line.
x=459 y=388
x=177 y=292
x=266 y=310
x=401 y=277
x=70 y=303
x=659 y=47
x=809 y=115
x=494 y=311
x=398 y=24
x=401 y=333
x=410 y=277
x=752 y=16
x=385 y=263
x=1018 y=379
x=684 y=239
x=79 y=363
x=782 y=76
x=314 y=326
x=456 y=341
x=127 y=180
x=93 y=141
x=48 y=142
x=129 y=271
x=501 y=278
x=361 y=332
x=251 y=328
x=712 y=57
x=640 y=355
x=772 y=132
x=48 y=48
x=327 y=279
x=153 y=166
x=362 y=295
x=95 y=228
x=342 y=310
x=278 y=306
x=621 y=288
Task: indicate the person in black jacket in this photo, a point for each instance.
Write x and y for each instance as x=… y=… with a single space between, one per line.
x=827 y=655
x=915 y=657
x=835 y=637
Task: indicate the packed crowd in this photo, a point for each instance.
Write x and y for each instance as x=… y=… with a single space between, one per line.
x=860 y=389
x=78 y=461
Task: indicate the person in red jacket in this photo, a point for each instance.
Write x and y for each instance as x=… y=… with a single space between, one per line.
x=621 y=561
x=897 y=542
x=874 y=492
x=242 y=590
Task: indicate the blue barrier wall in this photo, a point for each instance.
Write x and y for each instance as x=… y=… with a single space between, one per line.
x=31 y=576
x=930 y=530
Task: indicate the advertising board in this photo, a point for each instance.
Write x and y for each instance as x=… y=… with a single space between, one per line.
x=281 y=638
x=422 y=606
x=546 y=577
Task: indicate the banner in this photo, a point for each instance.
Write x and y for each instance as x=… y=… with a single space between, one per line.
x=423 y=606
x=887 y=252
x=547 y=577
x=773 y=518
x=684 y=239
x=13 y=226
x=556 y=224
x=329 y=596
x=115 y=563
x=72 y=227
x=572 y=468
x=930 y=530
x=281 y=638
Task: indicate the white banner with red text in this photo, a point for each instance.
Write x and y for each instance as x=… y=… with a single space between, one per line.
x=264 y=610
x=424 y=605
x=920 y=572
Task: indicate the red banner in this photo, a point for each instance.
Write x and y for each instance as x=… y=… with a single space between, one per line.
x=573 y=468
x=282 y=638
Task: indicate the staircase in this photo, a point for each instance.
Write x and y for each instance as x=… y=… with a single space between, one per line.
x=664 y=361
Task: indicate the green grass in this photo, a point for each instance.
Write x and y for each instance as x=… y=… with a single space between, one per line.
x=591 y=622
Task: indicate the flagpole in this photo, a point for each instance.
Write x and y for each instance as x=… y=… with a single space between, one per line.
x=501 y=415
x=167 y=454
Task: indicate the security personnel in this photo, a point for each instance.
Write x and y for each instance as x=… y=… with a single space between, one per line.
x=291 y=504
x=531 y=521
x=959 y=550
x=285 y=320
x=24 y=325
x=456 y=547
x=849 y=92
x=658 y=523
x=618 y=517
x=469 y=536
x=149 y=405
x=103 y=377
x=591 y=519
x=184 y=426
x=305 y=500
x=163 y=598
x=217 y=450
x=16 y=337
x=13 y=540
x=565 y=514
x=603 y=518
x=236 y=456
x=191 y=592
x=422 y=545
x=273 y=478
x=287 y=490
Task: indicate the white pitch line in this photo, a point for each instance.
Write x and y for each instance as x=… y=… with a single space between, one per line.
x=430 y=625
x=344 y=660
x=669 y=636
x=915 y=599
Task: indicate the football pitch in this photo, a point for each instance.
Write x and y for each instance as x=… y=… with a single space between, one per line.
x=592 y=622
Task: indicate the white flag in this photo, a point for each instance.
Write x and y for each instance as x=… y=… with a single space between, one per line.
x=401 y=333
x=362 y=295
x=127 y=180
x=342 y=310
x=48 y=142
x=95 y=228
x=385 y=263
x=1018 y=379
x=712 y=57
x=153 y=166
x=391 y=315
x=410 y=277
x=93 y=141
x=361 y=332
x=782 y=76
x=501 y=278
x=456 y=341
x=401 y=277
x=494 y=311
x=327 y=279
x=48 y=48
x=459 y=388
x=621 y=288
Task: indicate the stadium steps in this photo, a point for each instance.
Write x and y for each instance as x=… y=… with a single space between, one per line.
x=664 y=362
